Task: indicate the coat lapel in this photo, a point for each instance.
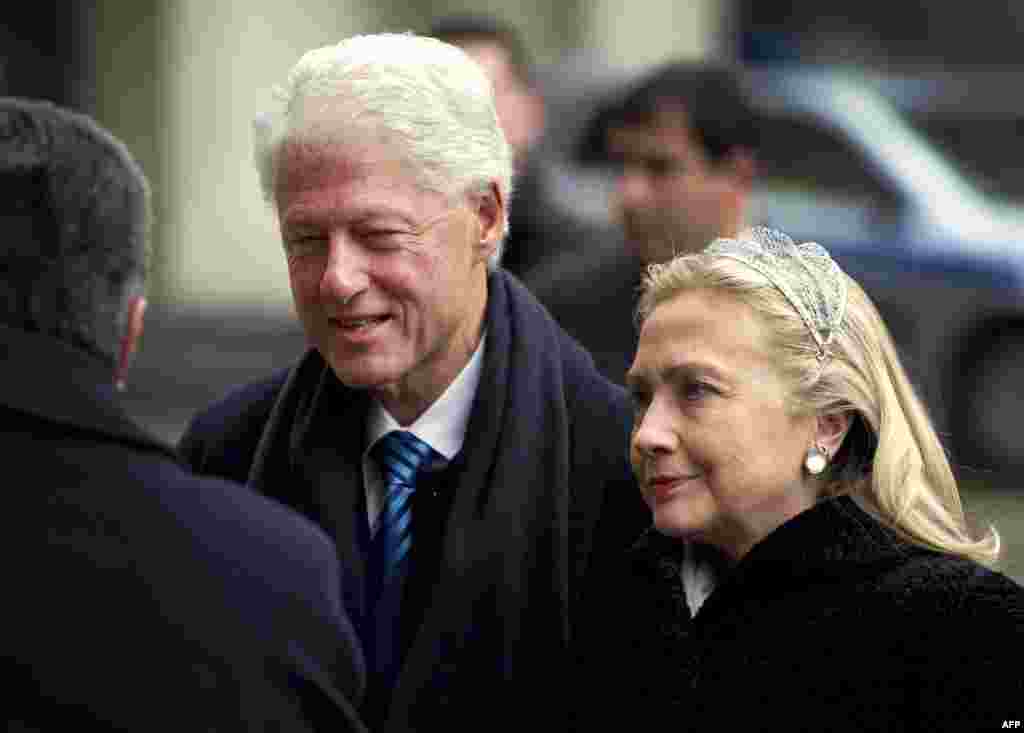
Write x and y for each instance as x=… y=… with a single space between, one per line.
x=327 y=449
x=505 y=551
x=310 y=457
x=45 y=377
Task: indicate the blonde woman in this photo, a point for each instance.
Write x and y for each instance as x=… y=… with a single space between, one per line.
x=810 y=566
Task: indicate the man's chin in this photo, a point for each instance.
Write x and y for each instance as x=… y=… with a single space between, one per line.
x=363 y=373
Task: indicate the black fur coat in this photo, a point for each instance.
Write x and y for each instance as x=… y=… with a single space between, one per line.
x=830 y=623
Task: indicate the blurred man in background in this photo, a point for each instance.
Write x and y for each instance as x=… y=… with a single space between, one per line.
x=682 y=142
x=137 y=597
x=539 y=227
x=463 y=452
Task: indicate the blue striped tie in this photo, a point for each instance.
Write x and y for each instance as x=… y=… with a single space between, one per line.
x=401 y=456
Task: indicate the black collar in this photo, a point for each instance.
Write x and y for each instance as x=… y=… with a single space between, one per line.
x=50 y=379
x=836 y=535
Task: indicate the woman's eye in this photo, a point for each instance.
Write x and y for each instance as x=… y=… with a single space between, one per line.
x=640 y=401
x=693 y=391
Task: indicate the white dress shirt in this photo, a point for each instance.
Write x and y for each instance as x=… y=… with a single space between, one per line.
x=442 y=426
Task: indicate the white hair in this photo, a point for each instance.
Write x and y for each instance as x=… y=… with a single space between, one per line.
x=428 y=98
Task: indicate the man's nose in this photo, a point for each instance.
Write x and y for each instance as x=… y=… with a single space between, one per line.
x=346 y=271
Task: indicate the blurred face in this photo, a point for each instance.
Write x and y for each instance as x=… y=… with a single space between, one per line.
x=389 y=280
x=669 y=198
x=717 y=455
x=520 y=110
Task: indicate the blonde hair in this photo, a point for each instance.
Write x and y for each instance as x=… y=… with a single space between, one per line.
x=891 y=459
x=427 y=98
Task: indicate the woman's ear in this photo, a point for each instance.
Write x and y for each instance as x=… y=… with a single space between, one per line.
x=831 y=430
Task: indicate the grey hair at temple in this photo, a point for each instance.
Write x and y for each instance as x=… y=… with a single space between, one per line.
x=75 y=212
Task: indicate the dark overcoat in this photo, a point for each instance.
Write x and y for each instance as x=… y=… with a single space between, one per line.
x=833 y=622
x=139 y=597
x=510 y=547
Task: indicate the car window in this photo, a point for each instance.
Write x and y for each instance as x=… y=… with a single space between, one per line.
x=801 y=157
x=985 y=151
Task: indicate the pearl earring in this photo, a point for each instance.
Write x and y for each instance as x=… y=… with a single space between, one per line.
x=817 y=459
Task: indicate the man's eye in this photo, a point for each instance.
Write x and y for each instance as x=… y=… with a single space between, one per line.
x=383 y=238
x=661 y=167
x=305 y=245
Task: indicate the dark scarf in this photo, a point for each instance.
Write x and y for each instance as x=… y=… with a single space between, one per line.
x=499 y=613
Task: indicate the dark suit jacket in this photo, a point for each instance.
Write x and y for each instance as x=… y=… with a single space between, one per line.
x=593 y=297
x=507 y=594
x=139 y=597
x=540 y=229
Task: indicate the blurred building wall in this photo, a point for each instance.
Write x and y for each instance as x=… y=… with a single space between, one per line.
x=221 y=62
x=640 y=34
x=127 y=45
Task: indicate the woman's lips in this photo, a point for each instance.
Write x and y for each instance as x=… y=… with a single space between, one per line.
x=663 y=488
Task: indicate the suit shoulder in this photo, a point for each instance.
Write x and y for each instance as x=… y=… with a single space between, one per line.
x=221 y=437
x=229 y=526
x=582 y=276
x=246 y=400
x=589 y=389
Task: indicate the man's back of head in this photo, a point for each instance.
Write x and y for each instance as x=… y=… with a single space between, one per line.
x=74 y=208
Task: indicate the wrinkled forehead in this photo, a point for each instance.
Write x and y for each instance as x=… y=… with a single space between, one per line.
x=317 y=152
x=312 y=158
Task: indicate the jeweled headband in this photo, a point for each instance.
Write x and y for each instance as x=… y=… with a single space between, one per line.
x=805 y=273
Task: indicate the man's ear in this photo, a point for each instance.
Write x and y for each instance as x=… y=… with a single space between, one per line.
x=831 y=430
x=130 y=339
x=490 y=213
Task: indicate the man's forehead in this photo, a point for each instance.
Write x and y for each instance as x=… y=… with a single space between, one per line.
x=641 y=139
x=311 y=162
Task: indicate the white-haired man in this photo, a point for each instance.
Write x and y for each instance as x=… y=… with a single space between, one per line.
x=463 y=452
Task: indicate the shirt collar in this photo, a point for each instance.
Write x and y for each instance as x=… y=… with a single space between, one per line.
x=443 y=424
